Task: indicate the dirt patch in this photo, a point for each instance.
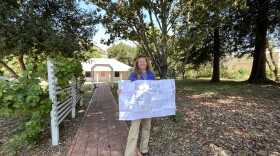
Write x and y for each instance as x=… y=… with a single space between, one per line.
x=220 y=123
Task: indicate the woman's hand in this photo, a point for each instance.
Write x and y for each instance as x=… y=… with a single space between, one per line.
x=119 y=91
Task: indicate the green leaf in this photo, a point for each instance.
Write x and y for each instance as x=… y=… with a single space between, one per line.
x=8 y=98
x=28 y=123
x=5 y=111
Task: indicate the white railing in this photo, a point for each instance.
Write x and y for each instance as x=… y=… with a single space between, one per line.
x=61 y=108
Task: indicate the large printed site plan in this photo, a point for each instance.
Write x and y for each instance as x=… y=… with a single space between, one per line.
x=146 y=99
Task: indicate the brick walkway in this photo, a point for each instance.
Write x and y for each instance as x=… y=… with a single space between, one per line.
x=101 y=133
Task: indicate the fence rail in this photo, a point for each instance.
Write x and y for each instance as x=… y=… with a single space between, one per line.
x=61 y=108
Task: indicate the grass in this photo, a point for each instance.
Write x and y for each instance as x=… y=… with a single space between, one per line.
x=114 y=92
x=204 y=85
x=87 y=92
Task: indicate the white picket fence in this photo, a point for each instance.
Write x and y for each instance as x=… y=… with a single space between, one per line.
x=60 y=109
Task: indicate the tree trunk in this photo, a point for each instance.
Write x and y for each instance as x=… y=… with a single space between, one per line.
x=216 y=61
x=163 y=69
x=274 y=66
x=277 y=76
x=183 y=74
x=182 y=68
x=259 y=58
x=10 y=70
x=35 y=66
x=21 y=63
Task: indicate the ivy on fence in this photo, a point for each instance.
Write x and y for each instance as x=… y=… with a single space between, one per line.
x=28 y=99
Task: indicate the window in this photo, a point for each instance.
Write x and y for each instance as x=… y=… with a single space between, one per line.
x=88 y=74
x=117 y=74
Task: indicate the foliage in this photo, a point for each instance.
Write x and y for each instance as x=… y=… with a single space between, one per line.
x=253 y=26
x=123 y=53
x=28 y=99
x=114 y=92
x=13 y=63
x=212 y=21
x=246 y=19
x=50 y=27
x=206 y=29
x=66 y=69
x=205 y=71
x=239 y=74
x=147 y=23
x=95 y=53
x=32 y=32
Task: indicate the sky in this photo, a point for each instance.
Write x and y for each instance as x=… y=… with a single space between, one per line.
x=100 y=29
x=100 y=34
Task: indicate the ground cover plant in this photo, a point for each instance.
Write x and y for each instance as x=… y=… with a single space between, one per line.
x=67 y=130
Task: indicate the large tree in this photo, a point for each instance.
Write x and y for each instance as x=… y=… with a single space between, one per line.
x=147 y=22
x=212 y=23
x=42 y=28
x=254 y=24
x=123 y=53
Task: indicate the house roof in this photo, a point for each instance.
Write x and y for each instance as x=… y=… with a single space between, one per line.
x=117 y=66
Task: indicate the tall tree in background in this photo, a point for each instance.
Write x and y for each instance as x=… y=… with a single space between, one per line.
x=147 y=23
x=212 y=22
x=259 y=69
x=123 y=53
x=8 y=11
x=254 y=24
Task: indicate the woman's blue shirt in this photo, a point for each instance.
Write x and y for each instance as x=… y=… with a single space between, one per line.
x=144 y=76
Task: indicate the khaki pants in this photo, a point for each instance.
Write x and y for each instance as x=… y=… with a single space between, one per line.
x=133 y=136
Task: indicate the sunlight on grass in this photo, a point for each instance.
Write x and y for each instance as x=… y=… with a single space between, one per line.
x=204 y=85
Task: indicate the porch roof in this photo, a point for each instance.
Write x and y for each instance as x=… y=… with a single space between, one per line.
x=117 y=66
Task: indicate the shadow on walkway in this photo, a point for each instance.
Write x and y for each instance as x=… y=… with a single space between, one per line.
x=100 y=133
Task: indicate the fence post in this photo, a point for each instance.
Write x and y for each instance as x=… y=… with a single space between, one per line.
x=73 y=92
x=52 y=95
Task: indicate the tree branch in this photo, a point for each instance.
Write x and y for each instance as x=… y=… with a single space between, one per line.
x=10 y=70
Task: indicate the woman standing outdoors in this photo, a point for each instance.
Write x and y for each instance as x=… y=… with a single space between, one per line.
x=142 y=71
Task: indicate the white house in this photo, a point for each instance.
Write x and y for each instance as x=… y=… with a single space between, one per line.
x=102 y=70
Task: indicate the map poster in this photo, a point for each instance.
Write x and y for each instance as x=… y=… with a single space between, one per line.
x=146 y=99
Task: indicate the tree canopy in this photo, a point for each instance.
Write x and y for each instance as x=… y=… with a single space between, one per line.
x=148 y=23
x=42 y=28
x=168 y=31
x=171 y=33
x=123 y=53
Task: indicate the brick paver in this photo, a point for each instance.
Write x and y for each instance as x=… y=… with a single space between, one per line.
x=101 y=133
